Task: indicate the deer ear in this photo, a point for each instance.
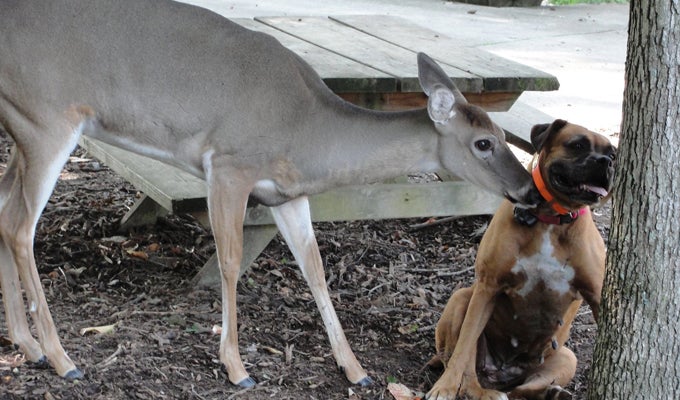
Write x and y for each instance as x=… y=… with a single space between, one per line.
x=431 y=75
x=440 y=105
x=541 y=133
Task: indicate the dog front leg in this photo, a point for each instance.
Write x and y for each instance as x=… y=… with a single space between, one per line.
x=449 y=325
x=463 y=358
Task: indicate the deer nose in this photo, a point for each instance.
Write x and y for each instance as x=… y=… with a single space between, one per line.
x=530 y=199
x=534 y=196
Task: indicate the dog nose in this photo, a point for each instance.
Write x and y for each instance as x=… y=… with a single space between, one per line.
x=603 y=160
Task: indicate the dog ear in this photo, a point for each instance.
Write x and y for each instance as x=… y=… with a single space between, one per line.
x=542 y=132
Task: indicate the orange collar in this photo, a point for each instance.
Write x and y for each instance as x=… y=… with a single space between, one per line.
x=540 y=185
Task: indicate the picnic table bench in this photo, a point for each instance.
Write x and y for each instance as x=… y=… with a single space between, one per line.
x=370 y=61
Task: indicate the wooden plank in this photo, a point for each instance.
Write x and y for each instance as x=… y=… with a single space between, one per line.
x=339 y=73
x=170 y=187
x=366 y=49
x=517 y=123
x=499 y=74
x=255 y=239
x=387 y=201
x=145 y=211
x=496 y=101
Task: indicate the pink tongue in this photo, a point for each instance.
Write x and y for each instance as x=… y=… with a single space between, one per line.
x=596 y=189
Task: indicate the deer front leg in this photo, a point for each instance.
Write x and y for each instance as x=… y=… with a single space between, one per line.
x=294 y=221
x=227 y=200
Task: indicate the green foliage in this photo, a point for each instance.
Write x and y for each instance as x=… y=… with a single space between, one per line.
x=570 y=2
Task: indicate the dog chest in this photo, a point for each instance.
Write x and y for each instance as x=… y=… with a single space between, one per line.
x=542 y=271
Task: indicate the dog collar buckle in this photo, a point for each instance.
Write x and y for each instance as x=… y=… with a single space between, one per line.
x=562 y=219
x=527 y=218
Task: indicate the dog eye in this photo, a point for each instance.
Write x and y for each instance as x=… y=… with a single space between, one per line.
x=483 y=145
x=576 y=146
x=580 y=144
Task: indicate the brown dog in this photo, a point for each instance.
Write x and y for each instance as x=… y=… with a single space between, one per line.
x=533 y=268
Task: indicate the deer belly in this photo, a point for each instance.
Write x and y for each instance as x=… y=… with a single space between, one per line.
x=268 y=193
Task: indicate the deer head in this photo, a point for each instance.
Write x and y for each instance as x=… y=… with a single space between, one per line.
x=471 y=145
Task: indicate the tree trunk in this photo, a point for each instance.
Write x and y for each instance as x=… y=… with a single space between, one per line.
x=637 y=354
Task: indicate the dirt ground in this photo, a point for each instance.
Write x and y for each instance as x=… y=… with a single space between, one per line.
x=389 y=282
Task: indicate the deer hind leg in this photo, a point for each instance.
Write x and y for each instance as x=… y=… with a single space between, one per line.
x=33 y=172
x=15 y=312
x=294 y=221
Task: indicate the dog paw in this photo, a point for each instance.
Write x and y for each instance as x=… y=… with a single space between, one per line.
x=557 y=393
x=447 y=386
x=441 y=394
x=488 y=394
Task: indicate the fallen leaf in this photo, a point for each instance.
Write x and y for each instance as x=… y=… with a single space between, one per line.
x=138 y=254
x=289 y=353
x=9 y=362
x=401 y=392
x=154 y=247
x=272 y=350
x=98 y=329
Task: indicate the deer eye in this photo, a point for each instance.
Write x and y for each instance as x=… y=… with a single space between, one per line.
x=483 y=145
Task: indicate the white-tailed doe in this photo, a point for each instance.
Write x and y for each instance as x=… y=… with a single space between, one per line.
x=190 y=88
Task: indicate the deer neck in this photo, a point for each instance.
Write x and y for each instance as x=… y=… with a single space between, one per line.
x=359 y=146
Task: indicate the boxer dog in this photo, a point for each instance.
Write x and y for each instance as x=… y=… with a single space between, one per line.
x=534 y=267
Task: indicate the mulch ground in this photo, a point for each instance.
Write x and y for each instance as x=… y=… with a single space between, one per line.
x=388 y=280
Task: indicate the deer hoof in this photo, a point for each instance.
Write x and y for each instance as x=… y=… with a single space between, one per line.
x=366 y=381
x=74 y=374
x=41 y=363
x=247 y=383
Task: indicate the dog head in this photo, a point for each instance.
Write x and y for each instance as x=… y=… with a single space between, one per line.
x=577 y=165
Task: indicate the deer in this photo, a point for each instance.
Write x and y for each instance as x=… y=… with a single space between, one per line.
x=190 y=88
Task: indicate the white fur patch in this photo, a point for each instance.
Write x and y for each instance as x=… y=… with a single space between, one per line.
x=60 y=156
x=440 y=105
x=266 y=185
x=544 y=267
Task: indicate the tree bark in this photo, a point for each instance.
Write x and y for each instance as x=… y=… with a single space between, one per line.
x=637 y=353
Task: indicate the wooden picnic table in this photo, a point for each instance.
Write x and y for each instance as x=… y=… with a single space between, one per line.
x=371 y=61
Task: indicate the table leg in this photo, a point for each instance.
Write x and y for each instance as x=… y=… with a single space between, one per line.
x=255 y=239
x=145 y=211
